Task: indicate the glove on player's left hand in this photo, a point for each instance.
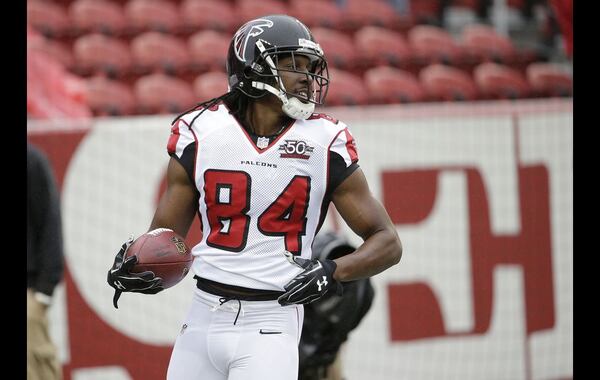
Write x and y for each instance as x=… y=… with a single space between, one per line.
x=312 y=283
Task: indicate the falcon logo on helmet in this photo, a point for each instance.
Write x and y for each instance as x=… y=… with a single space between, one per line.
x=252 y=28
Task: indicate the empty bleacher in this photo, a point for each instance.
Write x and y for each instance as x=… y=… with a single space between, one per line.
x=377 y=54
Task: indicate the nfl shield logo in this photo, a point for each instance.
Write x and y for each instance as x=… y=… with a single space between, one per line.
x=180 y=245
x=262 y=142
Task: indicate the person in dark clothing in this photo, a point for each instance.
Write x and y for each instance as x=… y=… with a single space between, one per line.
x=329 y=320
x=44 y=264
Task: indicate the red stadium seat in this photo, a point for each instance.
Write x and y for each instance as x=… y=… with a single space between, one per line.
x=381 y=46
x=468 y=4
x=448 y=83
x=157 y=51
x=345 y=89
x=317 y=13
x=251 y=9
x=497 y=81
x=152 y=15
x=337 y=47
x=483 y=43
x=359 y=13
x=391 y=85
x=432 y=44
x=516 y=4
x=49 y=18
x=208 y=50
x=210 y=85
x=97 y=52
x=107 y=97
x=53 y=48
x=160 y=93
x=52 y=91
x=200 y=14
x=33 y=35
x=100 y=16
x=547 y=79
x=425 y=11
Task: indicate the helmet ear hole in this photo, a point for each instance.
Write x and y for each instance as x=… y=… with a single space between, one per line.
x=248 y=74
x=246 y=83
x=252 y=74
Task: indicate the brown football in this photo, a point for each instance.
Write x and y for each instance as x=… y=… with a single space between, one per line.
x=163 y=252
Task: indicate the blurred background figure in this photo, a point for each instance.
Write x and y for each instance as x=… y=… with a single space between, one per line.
x=44 y=264
x=329 y=320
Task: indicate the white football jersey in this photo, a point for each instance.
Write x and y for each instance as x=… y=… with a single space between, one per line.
x=256 y=203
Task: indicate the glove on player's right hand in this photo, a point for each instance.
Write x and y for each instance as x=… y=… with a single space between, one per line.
x=120 y=278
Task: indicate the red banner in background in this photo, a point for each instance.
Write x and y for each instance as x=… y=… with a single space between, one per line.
x=414 y=309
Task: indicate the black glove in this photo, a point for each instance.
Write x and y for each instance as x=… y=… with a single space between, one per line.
x=312 y=283
x=122 y=280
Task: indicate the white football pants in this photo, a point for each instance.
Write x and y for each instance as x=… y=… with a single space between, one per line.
x=262 y=345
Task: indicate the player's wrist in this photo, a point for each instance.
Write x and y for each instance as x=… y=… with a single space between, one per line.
x=330 y=267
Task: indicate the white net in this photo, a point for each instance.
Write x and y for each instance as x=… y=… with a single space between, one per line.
x=482 y=197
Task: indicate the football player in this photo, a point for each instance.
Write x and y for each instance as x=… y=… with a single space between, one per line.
x=260 y=167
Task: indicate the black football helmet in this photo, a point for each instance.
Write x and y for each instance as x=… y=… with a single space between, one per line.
x=330 y=245
x=252 y=61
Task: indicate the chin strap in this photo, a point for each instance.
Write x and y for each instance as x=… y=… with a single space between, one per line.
x=293 y=107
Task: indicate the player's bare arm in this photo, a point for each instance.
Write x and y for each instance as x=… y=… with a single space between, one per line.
x=367 y=218
x=175 y=211
x=177 y=206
